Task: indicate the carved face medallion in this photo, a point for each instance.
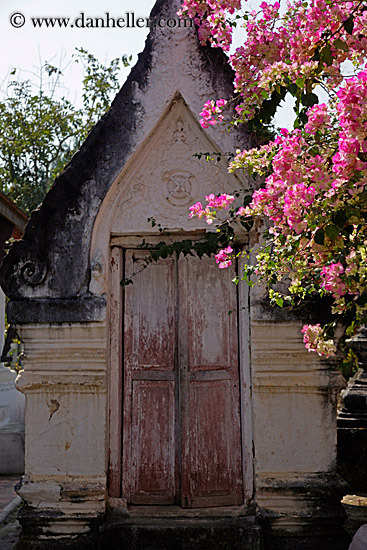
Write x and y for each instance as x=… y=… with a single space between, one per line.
x=178 y=187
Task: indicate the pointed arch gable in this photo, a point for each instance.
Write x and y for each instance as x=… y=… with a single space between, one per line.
x=160 y=181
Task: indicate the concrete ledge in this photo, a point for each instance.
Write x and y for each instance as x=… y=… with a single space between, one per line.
x=76 y=310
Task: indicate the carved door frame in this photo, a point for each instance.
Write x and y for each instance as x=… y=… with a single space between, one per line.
x=115 y=374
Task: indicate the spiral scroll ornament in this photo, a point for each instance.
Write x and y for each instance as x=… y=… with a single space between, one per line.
x=33 y=272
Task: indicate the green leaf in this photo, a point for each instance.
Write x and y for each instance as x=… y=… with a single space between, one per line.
x=247 y=225
x=362 y=300
x=348 y=24
x=212 y=239
x=319 y=236
x=126 y=282
x=349 y=229
x=247 y=280
x=155 y=254
x=326 y=56
x=340 y=45
x=293 y=89
x=279 y=301
x=177 y=248
x=186 y=246
x=332 y=231
x=340 y=219
x=300 y=82
x=200 y=249
x=316 y=55
x=308 y=100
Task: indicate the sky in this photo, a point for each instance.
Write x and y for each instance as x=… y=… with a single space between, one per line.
x=27 y=48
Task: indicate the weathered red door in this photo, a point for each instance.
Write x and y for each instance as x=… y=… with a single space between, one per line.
x=181 y=405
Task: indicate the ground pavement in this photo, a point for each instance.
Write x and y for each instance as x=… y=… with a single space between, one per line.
x=7 y=493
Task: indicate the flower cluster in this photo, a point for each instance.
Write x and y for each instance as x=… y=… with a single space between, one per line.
x=212 y=113
x=318 y=119
x=210 y=17
x=331 y=280
x=352 y=114
x=223 y=257
x=311 y=37
x=215 y=203
x=290 y=190
x=314 y=340
x=315 y=188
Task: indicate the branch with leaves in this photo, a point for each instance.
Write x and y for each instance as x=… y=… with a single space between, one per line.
x=314 y=194
x=41 y=131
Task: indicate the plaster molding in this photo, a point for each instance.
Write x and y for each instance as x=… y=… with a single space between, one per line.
x=59 y=492
x=80 y=346
x=160 y=186
x=62 y=382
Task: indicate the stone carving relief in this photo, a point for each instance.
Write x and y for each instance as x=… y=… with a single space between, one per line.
x=165 y=177
x=97 y=284
x=33 y=272
x=178 y=186
x=30 y=270
x=162 y=180
x=179 y=135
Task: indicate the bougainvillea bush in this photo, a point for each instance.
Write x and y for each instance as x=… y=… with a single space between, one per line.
x=315 y=176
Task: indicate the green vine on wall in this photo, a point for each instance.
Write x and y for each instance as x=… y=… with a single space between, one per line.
x=208 y=245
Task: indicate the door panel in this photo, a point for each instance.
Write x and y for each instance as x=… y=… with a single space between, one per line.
x=181 y=419
x=153 y=440
x=150 y=314
x=149 y=417
x=208 y=295
x=211 y=470
x=210 y=405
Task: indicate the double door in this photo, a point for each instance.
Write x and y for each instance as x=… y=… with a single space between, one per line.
x=181 y=427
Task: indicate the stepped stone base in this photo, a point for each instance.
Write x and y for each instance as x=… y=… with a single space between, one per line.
x=182 y=534
x=307 y=541
x=187 y=534
x=53 y=530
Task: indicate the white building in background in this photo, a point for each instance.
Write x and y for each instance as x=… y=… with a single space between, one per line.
x=12 y=402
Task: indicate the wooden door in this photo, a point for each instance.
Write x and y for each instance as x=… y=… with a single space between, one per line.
x=208 y=363
x=181 y=398
x=150 y=383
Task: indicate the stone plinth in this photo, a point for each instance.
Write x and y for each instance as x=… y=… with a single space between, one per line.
x=352 y=421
